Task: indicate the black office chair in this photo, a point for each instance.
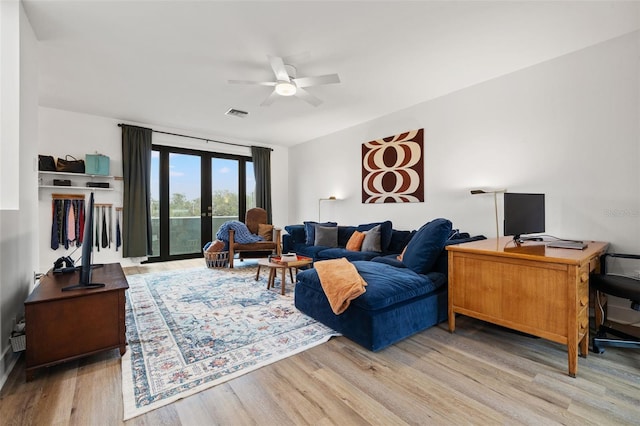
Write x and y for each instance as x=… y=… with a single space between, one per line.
x=619 y=286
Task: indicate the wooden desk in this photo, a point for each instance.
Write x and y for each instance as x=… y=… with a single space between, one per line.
x=61 y=326
x=532 y=288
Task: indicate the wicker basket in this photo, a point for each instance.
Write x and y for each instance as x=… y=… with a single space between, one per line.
x=216 y=259
x=19 y=342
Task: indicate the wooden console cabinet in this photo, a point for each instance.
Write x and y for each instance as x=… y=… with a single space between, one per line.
x=61 y=326
x=530 y=288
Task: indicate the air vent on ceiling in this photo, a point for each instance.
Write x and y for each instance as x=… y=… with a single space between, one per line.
x=236 y=113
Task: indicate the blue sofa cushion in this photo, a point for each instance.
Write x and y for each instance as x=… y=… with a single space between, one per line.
x=350 y=255
x=310 y=230
x=386 y=229
x=391 y=259
x=344 y=233
x=309 y=251
x=426 y=245
x=296 y=232
x=399 y=240
x=386 y=285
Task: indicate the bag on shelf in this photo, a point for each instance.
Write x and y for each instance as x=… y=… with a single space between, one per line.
x=70 y=166
x=97 y=164
x=46 y=163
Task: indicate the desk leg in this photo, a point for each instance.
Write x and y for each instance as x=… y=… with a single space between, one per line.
x=573 y=362
x=584 y=345
x=258 y=273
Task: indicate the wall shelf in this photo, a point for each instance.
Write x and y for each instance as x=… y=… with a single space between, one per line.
x=79 y=175
x=46 y=181
x=75 y=187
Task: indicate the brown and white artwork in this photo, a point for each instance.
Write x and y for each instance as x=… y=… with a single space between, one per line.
x=393 y=168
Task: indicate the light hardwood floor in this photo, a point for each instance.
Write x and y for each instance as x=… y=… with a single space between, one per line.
x=481 y=374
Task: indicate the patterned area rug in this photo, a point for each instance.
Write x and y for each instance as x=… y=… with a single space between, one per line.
x=190 y=330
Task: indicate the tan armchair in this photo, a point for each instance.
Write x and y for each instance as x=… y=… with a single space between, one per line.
x=256 y=221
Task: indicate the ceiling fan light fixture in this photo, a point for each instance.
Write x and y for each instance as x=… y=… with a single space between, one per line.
x=285 y=88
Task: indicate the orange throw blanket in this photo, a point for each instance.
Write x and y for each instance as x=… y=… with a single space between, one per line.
x=340 y=281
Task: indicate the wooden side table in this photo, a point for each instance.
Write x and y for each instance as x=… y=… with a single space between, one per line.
x=535 y=289
x=283 y=266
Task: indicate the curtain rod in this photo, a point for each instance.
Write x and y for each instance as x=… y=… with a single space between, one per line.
x=192 y=137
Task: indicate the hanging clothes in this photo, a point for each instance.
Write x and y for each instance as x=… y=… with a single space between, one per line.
x=56 y=225
x=96 y=224
x=118 y=236
x=105 y=236
x=81 y=219
x=110 y=226
x=71 y=223
x=67 y=221
x=65 y=224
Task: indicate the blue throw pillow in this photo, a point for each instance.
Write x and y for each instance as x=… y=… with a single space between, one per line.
x=310 y=231
x=386 y=229
x=425 y=246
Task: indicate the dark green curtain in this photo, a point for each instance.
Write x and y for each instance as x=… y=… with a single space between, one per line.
x=262 y=170
x=136 y=167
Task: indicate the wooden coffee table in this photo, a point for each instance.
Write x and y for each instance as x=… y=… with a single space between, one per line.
x=283 y=266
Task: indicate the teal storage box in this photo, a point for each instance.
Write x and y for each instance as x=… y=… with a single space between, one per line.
x=97 y=164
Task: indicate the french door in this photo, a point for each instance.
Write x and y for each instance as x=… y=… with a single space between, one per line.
x=192 y=194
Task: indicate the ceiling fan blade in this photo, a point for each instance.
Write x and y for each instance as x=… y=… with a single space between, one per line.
x=259 y=83
x=317 y=81
x=278 y=68
x=270 y=99
x=308 y=97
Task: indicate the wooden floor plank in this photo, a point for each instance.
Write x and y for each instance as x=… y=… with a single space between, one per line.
x=481 y=374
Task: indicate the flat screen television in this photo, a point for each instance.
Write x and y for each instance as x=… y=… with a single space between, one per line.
x=523 y=214
x=87 y=252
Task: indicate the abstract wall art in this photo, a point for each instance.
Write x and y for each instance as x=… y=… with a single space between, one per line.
x=393 y=169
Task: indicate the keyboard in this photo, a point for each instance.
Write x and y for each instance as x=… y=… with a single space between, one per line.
x=576 y=245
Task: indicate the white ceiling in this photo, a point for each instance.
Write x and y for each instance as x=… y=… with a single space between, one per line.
x=166 y=63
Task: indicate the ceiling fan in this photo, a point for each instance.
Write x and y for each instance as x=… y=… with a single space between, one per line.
x=289 y=84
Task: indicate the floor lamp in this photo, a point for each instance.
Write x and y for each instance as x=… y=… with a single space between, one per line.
x=495 y=203
x=332 y=198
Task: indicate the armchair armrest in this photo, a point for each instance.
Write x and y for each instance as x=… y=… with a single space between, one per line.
x=277 y=233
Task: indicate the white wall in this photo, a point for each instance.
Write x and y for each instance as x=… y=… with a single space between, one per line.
x=18 y=218
x=63 y=132
x=567 y=128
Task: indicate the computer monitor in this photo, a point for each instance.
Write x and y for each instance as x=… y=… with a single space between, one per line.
x=523 y=214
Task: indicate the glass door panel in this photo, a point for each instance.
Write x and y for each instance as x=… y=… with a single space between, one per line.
x=155 y=202
x=184 y=204
x=193 y=193
x=224 y=192
x=250 y=180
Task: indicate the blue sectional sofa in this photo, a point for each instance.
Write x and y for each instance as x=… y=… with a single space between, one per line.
x=300 y=239
x=401 y=297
